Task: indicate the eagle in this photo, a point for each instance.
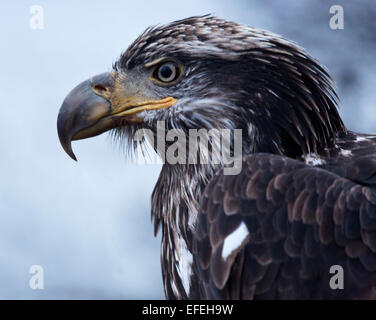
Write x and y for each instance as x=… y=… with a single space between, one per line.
x=304 y=200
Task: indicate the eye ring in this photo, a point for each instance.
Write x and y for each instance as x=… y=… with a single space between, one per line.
x=167 y=72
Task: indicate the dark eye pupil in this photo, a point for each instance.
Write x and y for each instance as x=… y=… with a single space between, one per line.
x=166 y=72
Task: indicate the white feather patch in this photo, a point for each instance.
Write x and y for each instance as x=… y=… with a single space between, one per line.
x=346 y=153
x=360 y=139
x=184 y=266
x=313 y=159
x=234 y=240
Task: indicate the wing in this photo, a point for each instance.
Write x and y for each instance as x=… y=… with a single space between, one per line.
x=275 y=230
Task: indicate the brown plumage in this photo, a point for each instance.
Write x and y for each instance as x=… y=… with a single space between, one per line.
x=301 y=221
x=305 y=199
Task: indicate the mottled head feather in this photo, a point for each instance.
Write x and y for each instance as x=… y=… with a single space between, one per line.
x=200 y=36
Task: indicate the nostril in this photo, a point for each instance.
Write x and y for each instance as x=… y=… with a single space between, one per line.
x=102 y=84
x=100 y=88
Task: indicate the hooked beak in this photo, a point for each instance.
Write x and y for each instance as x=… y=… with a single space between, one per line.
x=96 y=106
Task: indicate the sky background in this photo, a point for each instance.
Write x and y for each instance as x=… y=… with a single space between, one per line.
x=88 y=223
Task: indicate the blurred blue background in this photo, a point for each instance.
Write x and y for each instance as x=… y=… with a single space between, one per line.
x=88 y=223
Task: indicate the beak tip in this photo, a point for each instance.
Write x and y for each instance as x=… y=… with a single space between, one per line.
x=67 y=146
x=69 y=151
x=73 y=157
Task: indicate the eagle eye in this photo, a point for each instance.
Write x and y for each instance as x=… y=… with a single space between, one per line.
x=167 y=72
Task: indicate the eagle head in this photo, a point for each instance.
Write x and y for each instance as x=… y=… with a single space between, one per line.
x=204 y=73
